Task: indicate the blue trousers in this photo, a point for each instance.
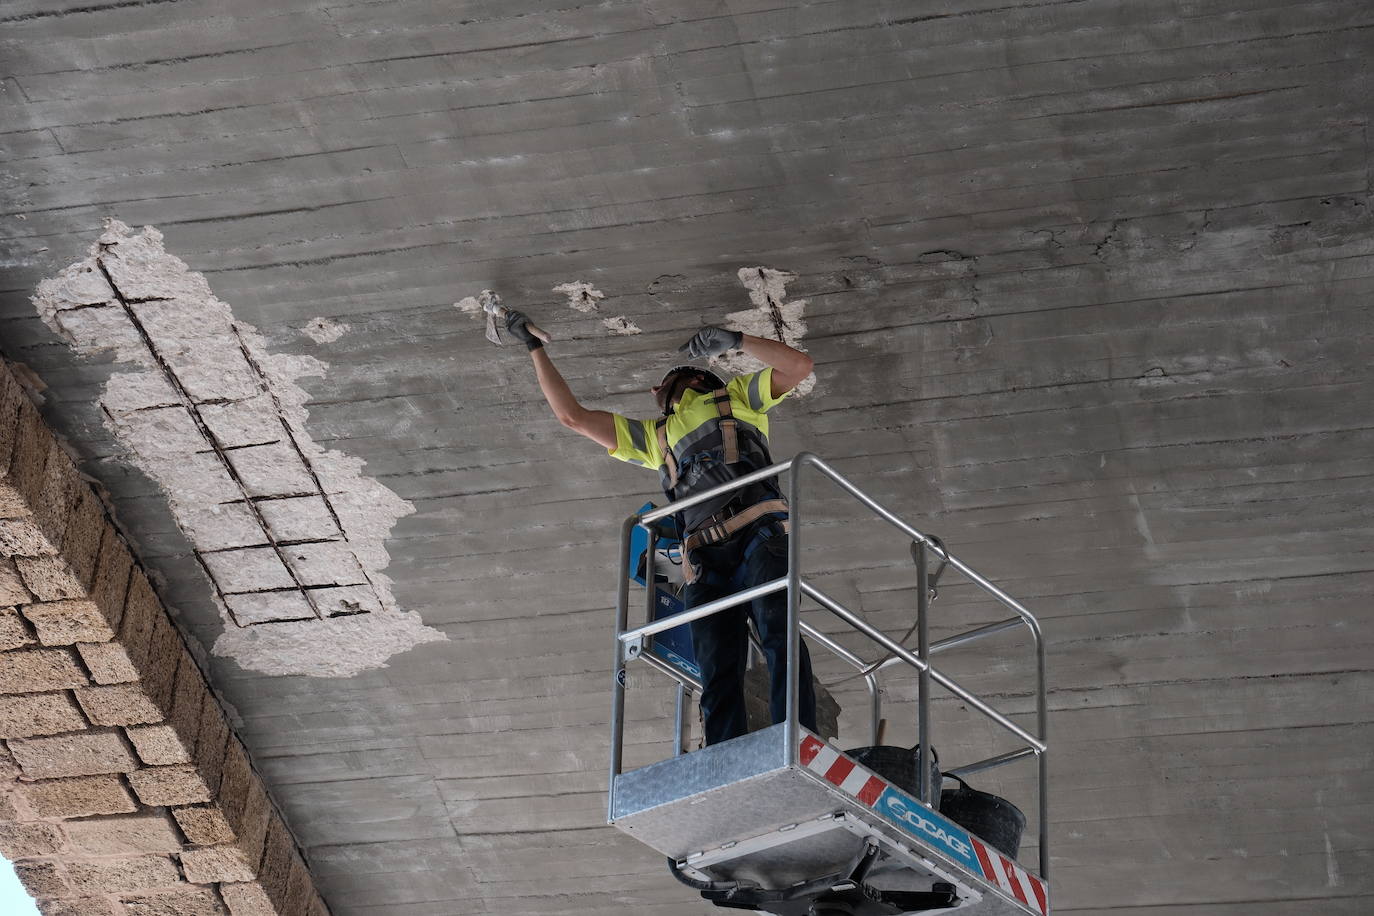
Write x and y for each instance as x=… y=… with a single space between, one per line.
x=721 y=641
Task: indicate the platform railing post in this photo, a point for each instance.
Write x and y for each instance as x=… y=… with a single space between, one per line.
x=923 y=750
x=789 y=732
x=875 y=722
x=679 y=719
x=650 y=586
x=1042 y=715
x=622 y=612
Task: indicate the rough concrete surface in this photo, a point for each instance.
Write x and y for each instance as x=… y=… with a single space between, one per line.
x=1085 y=286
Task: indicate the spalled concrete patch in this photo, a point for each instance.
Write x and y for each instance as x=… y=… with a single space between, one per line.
x=586 y=298
x=291 y=535
x=324 y=330
x=772 y=316
x=581 y=295
x=622 y=326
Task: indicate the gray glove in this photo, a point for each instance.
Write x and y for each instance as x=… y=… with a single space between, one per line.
x=517 y=323
x=711 y=341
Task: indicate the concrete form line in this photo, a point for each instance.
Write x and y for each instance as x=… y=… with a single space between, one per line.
x=164 y=61
x=80 y=10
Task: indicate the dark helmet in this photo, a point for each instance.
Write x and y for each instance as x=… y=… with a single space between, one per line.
x=663 y=390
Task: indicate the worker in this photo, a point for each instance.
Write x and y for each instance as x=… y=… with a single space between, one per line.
x=711 y=432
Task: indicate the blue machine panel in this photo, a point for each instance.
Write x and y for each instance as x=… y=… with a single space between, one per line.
x=672 y=646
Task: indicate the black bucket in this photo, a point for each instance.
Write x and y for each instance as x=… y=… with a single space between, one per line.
x=985 y=815
x=899 y=766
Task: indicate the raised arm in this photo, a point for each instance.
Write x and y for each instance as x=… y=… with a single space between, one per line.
x=597 y=425
x=790 y=365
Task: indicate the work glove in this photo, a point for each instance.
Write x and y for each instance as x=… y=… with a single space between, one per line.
x=711 y=341
x=517 y=323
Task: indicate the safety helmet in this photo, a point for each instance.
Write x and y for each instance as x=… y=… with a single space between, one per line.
x=662 y=391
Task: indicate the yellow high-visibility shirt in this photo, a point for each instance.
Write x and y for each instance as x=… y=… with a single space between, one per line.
x=693 y=420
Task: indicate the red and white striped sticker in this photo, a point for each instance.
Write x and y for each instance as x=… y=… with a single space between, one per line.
x=852 y=779
x=1011 y=877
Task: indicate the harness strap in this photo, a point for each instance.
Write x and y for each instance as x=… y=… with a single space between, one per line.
x=669 y=459
x=729 y=426
x=714 y=534
x=720 y=531
x=729 y=436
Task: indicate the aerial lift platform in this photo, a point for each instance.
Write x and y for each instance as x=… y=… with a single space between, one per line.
x=780 y=821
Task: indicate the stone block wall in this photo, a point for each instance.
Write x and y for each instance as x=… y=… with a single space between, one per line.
x=122 y=788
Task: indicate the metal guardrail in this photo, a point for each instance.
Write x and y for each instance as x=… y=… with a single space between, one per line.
x=629 y=641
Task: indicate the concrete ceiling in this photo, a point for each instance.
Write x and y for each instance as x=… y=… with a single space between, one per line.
x=1086 y=287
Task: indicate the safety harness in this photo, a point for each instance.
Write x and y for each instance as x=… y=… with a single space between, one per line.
x=721 y=526
x=729 y=436
x=716 y=531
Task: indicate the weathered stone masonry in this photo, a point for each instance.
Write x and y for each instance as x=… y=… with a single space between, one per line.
x=122 y=788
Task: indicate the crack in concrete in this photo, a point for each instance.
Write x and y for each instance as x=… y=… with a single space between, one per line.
x=1099 y=251
x=779 y=323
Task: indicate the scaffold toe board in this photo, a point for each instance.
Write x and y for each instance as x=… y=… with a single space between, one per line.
x=743 y=810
